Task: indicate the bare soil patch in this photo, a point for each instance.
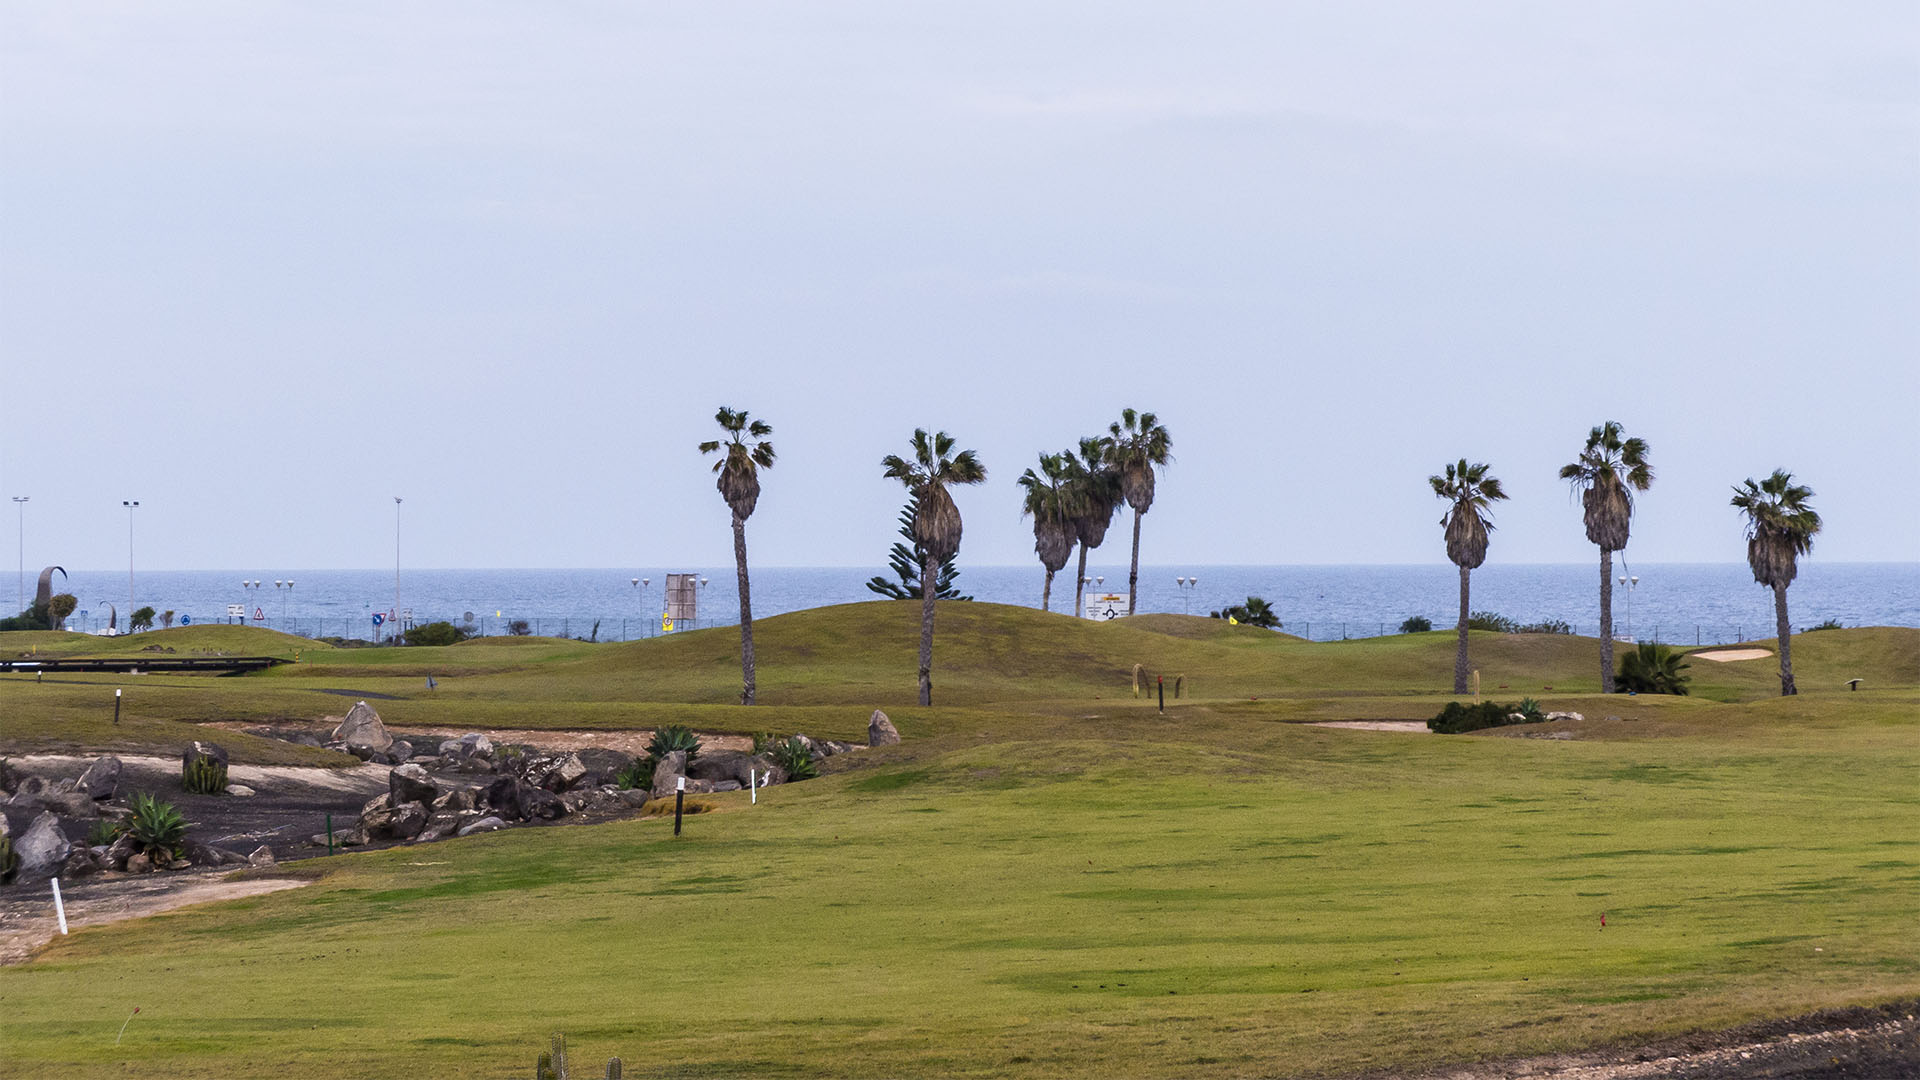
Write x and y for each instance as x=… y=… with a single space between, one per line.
x=28 y=922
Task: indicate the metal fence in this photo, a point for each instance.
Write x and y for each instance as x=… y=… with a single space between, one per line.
x=608 y=628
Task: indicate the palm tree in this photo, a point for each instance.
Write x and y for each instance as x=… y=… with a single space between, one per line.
x=1139 y=445
x=1607 y=473
x=1095 y=485
x=743 y=454
x=1470 y=494
x=936 y=520
x=1780 y=528
x=1049 y=501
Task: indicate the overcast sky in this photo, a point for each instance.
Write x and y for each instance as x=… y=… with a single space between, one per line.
x=266 y=266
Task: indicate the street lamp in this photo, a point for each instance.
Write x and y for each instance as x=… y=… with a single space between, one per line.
x=131 y=505
x=285 y=596
x=396 y=563
x=1187 y=585
x=249 y=587
x=1632 y=582
x=641 y=584
x=20 y=504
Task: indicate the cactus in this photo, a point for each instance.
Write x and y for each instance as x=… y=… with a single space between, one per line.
x=543 y=1067
x=613 y=1068
x=559 y=1056
x=204 y=776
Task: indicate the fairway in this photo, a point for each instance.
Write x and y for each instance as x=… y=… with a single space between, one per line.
x=1048 y=877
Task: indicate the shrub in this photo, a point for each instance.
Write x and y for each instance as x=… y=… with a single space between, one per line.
x=1653 y=669
x=1255 y=612
x=1492 y=620
x=141 y=620
x=9 y=862
x=673 y=737
x=104 y=832
x=1830 y=624
x=664 y=805
x=156 y=827
x=204 y=776
x=519 y=628
x=1530 y=709
x=1416 y=624
x=1550 y=626
x=638 y=775
x=796 y=758
x=1457 y=718
x=434 y=633
x=764 y=742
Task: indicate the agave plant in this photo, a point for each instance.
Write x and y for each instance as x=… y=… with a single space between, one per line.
x=1653 y=669
x=156 y=827
x=796 y=758
x=672 y=737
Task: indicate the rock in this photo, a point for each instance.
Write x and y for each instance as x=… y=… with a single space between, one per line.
x=239 y=791
x=102 y=778
x=202 y=751
x=41 y=849
x=516 y=798
x=76 y=804
x=727 y=785
x=880 y=730
x=362 y=729
x=835 y=746
x=456 y=802
x=485 y=824
x=139 y=864
x=62 y=785
x=7 y=779
x=723 y=765
x=207 y=855
x=766 y=772
x=119 y=852
x=179 y=864
x=438 y=827
x=28 y=791
x=376 y=813
x=79 y=863
x=410 y=783
x=407 y=820
x=562 y=773
x=670 y=770
x=635 y=797
x=576 y=801
x=1574 y=716
x=477 y=764
x=261 y=856
x=401 y=750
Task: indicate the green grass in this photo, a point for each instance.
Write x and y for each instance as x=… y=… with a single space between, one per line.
x=1047 y=877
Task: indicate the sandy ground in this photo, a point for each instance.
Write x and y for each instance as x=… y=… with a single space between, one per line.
x=1722 y=656
x=369 y=779
x=1410 y=727
x=628 y=742
x=27 y=919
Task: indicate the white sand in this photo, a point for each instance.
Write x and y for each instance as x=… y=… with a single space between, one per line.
x=1412 y=727
x=1722 y=656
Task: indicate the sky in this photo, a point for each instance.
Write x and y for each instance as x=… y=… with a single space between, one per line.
x=266 y=266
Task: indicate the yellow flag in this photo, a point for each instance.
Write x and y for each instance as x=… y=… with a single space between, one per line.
x=666 y=625
x=1231 y=621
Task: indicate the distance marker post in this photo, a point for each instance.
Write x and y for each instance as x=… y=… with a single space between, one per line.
x=1160 y=681
x=679 y=801
x=116 y=704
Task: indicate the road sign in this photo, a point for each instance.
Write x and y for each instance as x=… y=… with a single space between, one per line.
x=186 y=620
x=378 y=618
x=258 y=614
x=236 y=611
x=1104 y=606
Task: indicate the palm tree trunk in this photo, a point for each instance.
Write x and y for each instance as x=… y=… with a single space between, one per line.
x=1787 y=688
x=928 y=571
x=1606 y=620
x=1460 y=654
x=1133 y=574
x=1046 y=592
x=1080 y=583
x=746 y=610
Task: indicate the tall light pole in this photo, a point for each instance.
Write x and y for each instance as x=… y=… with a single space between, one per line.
x=20 y=504
x=1187 y=585
x=396 y=565
x=284 y=597
x=1632 y=582
x=131 y=505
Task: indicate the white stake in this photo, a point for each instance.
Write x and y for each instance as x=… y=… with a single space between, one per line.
x=59 y=907
x=753 y=785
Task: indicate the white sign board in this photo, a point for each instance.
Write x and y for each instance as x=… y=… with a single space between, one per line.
x=236 y=611
x=1104 y=606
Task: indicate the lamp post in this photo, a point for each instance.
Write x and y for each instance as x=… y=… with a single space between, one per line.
x=703 y=592
x=20 y=505
x=131 y=505
x=641 y=584
x=1187 y=585
x=396 y=566
x=248 y=588
x=1632 y=582
x=284 y=597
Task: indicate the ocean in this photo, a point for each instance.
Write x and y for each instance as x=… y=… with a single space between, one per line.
x=1680 y=603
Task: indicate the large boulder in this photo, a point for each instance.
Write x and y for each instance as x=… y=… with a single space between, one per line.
x=439 y=826
x=485 y=824
x=41 y=849
x=880 y=730
x=102 y=778
x=459 y=801
x=724 y=765
x=559 y=773
x=375 y=814
x=472 y=744
x=74 y=804
x=407 y=820
x=261 y=856
x=28 y=792
x=400 y=751
x=7 y=779
x=410 y=783
x=362 y=730
x=603 y=764
x=512 y=797
x=668 y=772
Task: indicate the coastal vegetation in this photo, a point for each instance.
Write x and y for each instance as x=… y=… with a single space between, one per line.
x=1095 y=495
x=905 y=560
x=1048 y=499
x=1781 y=524
x=1138 y=445
x=1608 y=471
x=1470 y=494
x=936 y=520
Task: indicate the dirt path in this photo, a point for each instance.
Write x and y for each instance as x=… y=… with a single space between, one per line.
x=27 y=920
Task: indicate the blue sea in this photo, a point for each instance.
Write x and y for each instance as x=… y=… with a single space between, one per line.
x=1676 y=603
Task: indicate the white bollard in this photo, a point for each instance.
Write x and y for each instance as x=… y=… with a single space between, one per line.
x=753 y=786
x=59 y=906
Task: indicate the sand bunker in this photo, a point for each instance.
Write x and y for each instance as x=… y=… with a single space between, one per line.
x=1721 y=656
x=1412 y=727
